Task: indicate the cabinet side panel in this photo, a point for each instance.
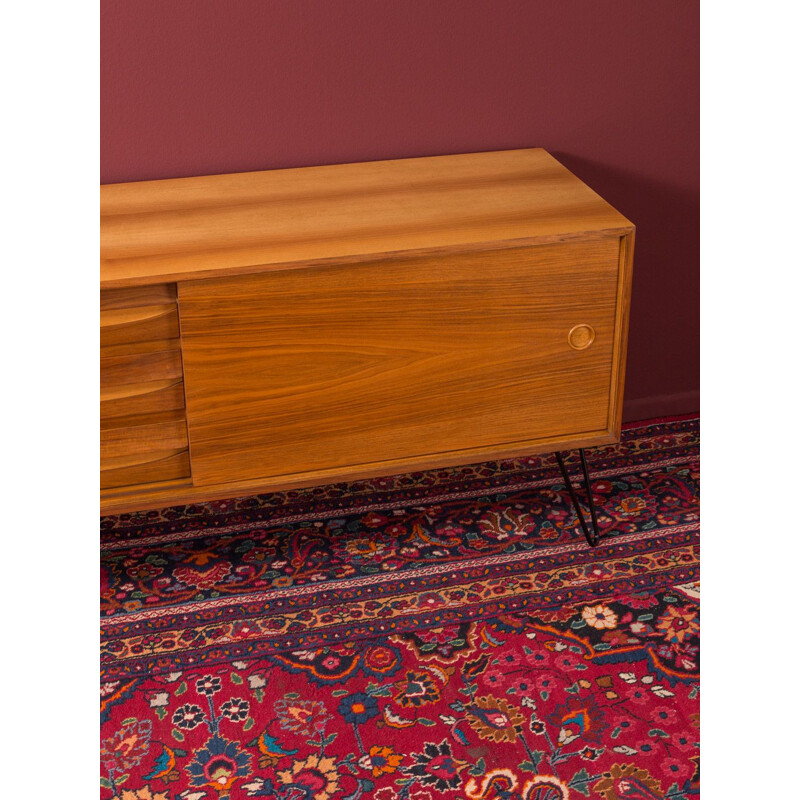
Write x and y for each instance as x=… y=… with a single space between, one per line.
x=624 y=284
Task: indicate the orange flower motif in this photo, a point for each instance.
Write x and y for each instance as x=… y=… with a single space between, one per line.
x=318 y=776
x=364 y=547
x=600 y=617
x=632 y=505
x=678 y=623
x=140 y=794
x=381 y=760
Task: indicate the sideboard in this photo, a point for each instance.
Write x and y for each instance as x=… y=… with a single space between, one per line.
x=267 y=330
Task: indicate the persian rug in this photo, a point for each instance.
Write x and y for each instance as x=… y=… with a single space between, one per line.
x=440 y=634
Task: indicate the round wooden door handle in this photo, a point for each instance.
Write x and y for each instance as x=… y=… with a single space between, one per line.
x=581 y=336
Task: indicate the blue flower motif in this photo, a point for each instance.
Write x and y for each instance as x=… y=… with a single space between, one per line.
x=208 y=685
x=358 y=708
x=188 y=716
x=235 y=709
x=218 y=764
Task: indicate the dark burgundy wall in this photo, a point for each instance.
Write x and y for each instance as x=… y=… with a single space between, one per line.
x=611 y=88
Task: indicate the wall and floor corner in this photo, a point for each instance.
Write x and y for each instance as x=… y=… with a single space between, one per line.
x=201 y=87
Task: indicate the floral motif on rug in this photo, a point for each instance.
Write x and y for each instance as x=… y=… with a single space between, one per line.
x=445 y=634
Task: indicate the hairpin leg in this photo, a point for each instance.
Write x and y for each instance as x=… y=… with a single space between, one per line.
x=594 y=537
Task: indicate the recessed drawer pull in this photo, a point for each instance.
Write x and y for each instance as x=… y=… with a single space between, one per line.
x=135 y=389
x=143 y=448
x=142 y=324
x=137 y=459
x=128 y=316
x=581 y=336
x=138 y=469
x=138 y=296
x=137 y=368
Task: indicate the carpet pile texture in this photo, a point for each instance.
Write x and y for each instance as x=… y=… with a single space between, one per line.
x=441 y=634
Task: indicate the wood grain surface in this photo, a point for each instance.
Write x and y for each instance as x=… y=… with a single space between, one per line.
x=142 y=324
x=158 y=294
x=142 y=448
x=159 y=364
x=124 y=437
x=143 y=435
x=147 y=397
x=156 y=468
x=624 y=285
x=355 y=320
x=295 y=372
x=181 y=491
x=186 y=228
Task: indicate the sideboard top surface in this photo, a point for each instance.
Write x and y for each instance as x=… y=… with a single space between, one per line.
x=240 y=223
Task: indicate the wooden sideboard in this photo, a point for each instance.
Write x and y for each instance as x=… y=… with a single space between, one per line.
x=268 y=330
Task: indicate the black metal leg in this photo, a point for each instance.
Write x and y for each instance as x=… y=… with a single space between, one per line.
x=594 y=537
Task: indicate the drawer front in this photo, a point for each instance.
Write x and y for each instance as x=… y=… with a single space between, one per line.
x=159 y=363
x=128 y=472
x=147 y=397
x=138 y=296
x=142 y=324
x=349 y=366
x=151 y=445
x=143 y=436
x=145 y=314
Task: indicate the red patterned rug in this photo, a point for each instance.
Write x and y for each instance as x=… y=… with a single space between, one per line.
x=441 y=634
